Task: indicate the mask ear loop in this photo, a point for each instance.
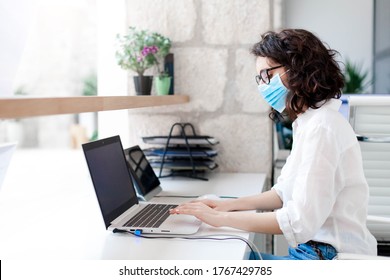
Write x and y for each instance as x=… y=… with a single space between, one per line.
x=284 y=73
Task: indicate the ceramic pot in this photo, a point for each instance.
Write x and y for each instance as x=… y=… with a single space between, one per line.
x=143 y=84
x=162 y=85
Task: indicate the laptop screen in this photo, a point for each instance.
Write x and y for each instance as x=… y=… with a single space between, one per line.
x=110 y=176
x=143 y=174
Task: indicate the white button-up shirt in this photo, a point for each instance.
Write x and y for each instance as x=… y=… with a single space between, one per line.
x=322 y=184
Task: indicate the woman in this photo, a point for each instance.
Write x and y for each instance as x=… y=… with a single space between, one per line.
x=320 y=199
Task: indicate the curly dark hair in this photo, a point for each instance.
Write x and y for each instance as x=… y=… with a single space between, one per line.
x=314 y=75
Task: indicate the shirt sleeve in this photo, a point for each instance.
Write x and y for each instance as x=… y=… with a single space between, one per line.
x=314 y=190
x=282 y=180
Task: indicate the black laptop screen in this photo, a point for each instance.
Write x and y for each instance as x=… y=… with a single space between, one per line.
x=110 y=176
x=143 y=174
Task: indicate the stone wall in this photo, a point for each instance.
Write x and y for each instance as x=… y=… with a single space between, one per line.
x=213 y=65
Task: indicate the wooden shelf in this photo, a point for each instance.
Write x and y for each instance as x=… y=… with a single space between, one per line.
x=11 y=108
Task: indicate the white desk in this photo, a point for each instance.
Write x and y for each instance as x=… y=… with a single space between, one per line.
x=48 y=210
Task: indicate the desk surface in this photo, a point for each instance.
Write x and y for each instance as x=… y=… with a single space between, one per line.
x=48 y=210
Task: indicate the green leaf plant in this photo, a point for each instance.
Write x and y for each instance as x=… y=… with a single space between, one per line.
x=355 y=78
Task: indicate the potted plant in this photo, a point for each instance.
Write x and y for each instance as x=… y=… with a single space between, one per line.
x=140 y=50
x=355 y=78
x=163 y=83
x=162 y=80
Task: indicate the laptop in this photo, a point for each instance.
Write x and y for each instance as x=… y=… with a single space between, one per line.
x=117 y=196
x=144 y=178
x=6 y=151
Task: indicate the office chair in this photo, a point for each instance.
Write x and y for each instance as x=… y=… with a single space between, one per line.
x=369 y=116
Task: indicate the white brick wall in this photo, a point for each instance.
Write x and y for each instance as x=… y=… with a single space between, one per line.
x=174 y=18
x=234 y=22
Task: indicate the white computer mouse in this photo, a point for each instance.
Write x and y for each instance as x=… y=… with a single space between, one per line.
x=209 y=196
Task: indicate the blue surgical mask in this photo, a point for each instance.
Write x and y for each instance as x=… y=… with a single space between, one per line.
x=274 y=93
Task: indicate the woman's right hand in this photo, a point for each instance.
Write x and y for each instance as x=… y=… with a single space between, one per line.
x=218 y=205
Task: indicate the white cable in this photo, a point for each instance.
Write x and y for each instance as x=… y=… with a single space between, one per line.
x=249 y=243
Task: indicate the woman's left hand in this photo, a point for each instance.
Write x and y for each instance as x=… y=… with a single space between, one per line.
x=201 y=211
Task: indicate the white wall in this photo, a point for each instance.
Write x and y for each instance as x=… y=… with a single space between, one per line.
x=346 y=26
x=112 y=80
x=47 y=48
x=13 y=33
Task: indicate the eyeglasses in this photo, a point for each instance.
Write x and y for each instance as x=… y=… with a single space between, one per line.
x=264 y=75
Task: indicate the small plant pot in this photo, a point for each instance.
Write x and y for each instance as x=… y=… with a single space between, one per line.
x=143 y=84
x=162 y=85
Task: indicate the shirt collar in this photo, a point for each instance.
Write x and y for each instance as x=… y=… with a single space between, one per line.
x=331 y=104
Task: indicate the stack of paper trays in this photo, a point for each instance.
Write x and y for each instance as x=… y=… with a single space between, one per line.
x=177 y=154
x=180 y=140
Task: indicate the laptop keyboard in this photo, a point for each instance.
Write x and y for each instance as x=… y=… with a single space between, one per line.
x=151 y=216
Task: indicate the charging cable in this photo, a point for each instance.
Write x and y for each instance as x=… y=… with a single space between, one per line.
x=220 y=237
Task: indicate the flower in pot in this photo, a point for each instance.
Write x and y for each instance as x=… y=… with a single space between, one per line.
x=138 y=51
